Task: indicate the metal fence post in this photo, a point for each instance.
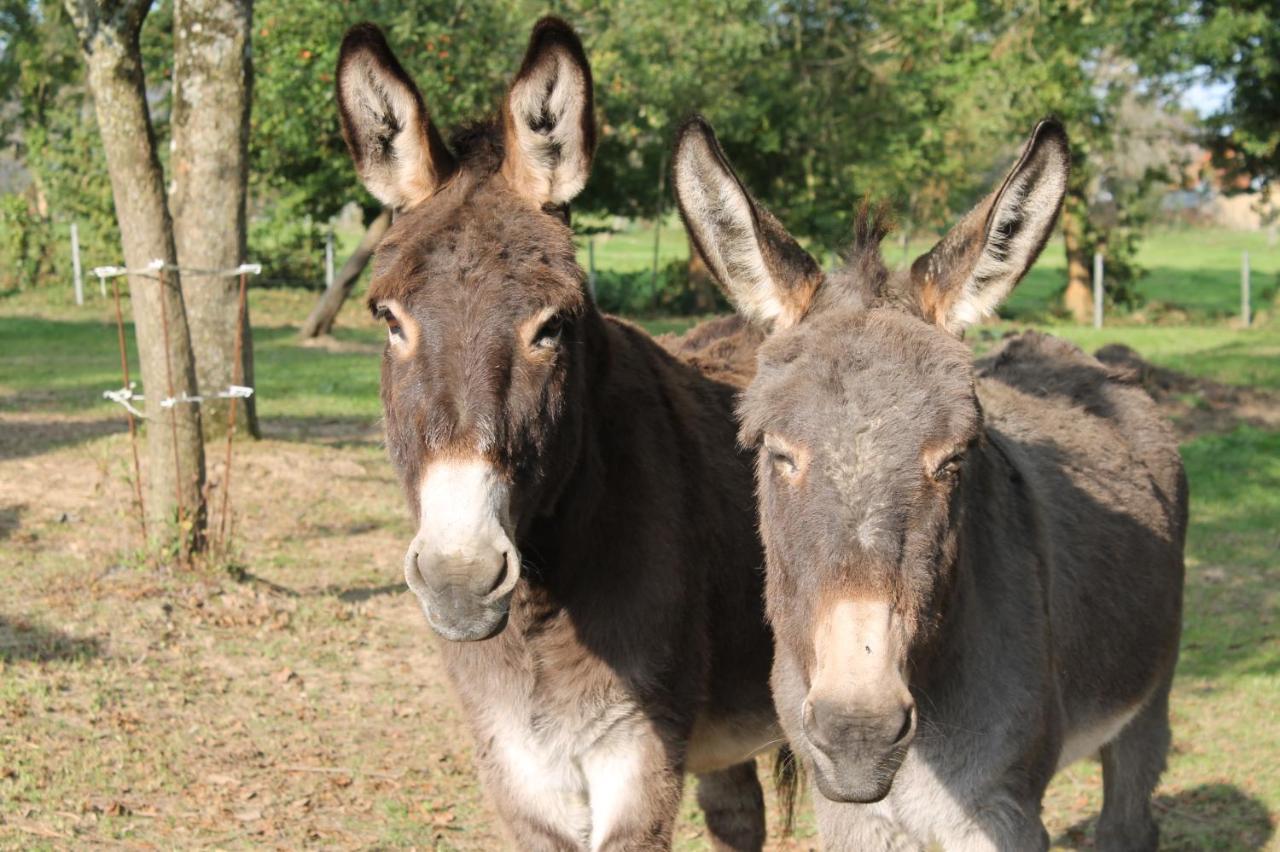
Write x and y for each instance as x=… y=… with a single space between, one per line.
x=75 y=264
x=591 y=266
x=1097 y=290
x=1246 y=308
x=328 y=260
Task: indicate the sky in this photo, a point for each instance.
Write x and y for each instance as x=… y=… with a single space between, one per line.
x=1205 y=97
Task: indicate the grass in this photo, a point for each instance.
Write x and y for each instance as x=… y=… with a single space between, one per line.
x=1196 y=272
x=138 y=707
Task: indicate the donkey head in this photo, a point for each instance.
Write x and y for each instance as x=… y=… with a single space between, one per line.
x=488 y=322
x=862 y=408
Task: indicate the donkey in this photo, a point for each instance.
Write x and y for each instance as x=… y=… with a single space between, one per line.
x=586 y=524
x=974 y=575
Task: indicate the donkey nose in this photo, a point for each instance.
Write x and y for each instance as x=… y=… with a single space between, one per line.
x=473 y=578
x=837 y=727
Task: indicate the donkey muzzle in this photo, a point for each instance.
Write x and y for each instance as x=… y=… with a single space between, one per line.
x=463 y=564
x=856 y=751
x=463 y=598
x=858 y=717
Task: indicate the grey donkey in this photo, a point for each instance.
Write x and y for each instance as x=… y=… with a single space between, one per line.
x=974 y=572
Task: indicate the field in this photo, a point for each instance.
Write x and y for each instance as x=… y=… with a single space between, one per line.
x=292 y=695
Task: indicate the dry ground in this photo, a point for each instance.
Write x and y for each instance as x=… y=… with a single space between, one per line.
x=298 y=700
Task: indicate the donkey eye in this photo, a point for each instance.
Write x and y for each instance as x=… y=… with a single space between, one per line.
x=784 y=462
x=549 y=334
x=393 y=325
x=949 y=468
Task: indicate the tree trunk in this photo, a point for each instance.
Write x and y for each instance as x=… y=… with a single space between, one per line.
x=323 y=315
x=212 y=92
x=108 y=35
x=1078 y=298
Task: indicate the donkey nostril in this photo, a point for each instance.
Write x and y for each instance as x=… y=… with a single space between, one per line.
x=502 y=576
x=905 y=730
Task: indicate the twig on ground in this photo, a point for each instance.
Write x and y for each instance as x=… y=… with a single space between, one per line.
x=341 y=770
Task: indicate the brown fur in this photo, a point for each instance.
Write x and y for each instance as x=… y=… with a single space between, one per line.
x=634 y=643
x=1022 y=521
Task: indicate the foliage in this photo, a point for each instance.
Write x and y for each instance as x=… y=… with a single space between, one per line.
x=290 y=242
x=20 y=237
x=820 y=103
x=49 y=118
x=642 y=294
x=1239 y=42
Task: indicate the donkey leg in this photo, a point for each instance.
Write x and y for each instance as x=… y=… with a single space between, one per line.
x=1131 y=768
x=733 y=803
x=634 y=790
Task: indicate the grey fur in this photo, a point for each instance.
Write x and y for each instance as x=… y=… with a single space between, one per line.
x=1023 y=517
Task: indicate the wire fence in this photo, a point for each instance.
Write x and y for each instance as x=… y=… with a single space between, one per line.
x=126 y=395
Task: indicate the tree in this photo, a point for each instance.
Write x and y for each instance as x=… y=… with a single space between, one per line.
x=1083 y=62
x=209 y=163
x=322 y=317
x=108 y=34
x=462 y=55
x=1238 y=41
x=59 y=173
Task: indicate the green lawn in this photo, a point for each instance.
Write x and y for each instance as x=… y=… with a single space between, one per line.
x=1195 y=271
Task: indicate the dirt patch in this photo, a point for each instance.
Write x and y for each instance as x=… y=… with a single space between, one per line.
x=300 y=705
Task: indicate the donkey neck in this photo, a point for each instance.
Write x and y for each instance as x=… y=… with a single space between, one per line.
x=652 y=429
x=994 y=567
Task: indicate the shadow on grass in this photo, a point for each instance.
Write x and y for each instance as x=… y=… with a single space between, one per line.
x=364 y=593
x=24 y=641
x=336 y=431
x=11 y=519
x=24 y=438
x=1211 y=816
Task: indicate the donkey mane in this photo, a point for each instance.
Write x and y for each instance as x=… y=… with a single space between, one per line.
x=871 y=224
x=863 y=274
x=478 y=145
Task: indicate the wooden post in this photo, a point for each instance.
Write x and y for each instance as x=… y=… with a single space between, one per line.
x=657 y=237
x=1245 y=306
x=657 y=223
x=328 y=259
x=75 y=265
x=591 y=266
x=1097 y=290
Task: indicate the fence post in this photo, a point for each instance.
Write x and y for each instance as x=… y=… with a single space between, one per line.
x=328 y=260
x=657 y=226
x=591 y=266
x=1097 y=289
x=75 y=264
x=1245 y=303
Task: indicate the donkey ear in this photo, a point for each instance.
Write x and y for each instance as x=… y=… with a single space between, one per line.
x=766 y=273
x=974 y=267
x=549 y=126
x=398 y=152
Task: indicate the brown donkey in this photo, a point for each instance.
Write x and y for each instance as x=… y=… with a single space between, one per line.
x=581 y=504
x=975 y=577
